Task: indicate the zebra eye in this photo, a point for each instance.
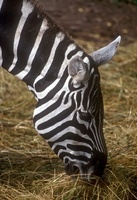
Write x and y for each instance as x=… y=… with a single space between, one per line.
x=85 y=115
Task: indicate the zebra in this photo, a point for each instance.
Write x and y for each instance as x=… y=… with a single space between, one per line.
x=65 y=81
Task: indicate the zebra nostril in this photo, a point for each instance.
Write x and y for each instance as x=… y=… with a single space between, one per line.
x=71 y=168
x=75 y=169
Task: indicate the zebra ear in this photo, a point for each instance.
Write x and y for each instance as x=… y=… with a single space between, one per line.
x=105 y=54
x=78 y=70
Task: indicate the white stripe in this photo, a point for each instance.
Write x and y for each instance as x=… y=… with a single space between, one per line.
x=42 y=94
x=49 y=116
x=75 y=153
x=71 y=129
x=0 y=56
x=44 y=106
x=43 y=28
x=72 y=142
x=1 y=2
x=65 y=89
x=84 y=122
x=91 y=89
x=86 y=60
x=95 y=135
x=74 y=160
x=27 y=8
x=102 y=140
x=59 y=37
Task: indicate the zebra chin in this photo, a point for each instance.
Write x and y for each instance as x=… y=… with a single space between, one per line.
x=87 y=172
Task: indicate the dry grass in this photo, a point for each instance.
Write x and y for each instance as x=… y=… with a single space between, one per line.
x=30 y=171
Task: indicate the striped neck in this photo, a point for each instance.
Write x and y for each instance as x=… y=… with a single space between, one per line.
x=36 y=49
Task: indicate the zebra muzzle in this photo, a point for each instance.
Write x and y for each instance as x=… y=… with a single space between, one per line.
x=87 y=172
x=72 y=168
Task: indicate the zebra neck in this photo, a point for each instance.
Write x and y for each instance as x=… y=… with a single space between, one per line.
x=32 y=46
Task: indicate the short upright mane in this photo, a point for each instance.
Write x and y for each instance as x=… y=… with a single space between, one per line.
x=41 y=10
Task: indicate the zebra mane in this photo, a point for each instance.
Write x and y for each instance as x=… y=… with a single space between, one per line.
x=54 y=27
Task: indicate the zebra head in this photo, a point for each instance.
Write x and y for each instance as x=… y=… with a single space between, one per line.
x=86 y=153
x=65 y=81
x=70 y=116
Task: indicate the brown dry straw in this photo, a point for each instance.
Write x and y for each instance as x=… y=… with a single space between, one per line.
x=29 y=170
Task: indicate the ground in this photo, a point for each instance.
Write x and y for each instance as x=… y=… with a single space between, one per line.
x=95 y=21
x=29 y=170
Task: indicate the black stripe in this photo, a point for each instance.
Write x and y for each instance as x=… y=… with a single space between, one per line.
x=68 y=135
x=92 y=64
x=58 y=147
x=88 y=94
x=27 y=39
x=75 y=51
x=99 y=124
x=72 y=156
x=66 y=99
x=73 y=123
x=59 y=56
x=10 y=15
x=45 y=112
x=71 y=136
x=58 y=118
x=41 y=57
x=79 y=148
x=65 y=125
x=78 y=98
x=43 y=84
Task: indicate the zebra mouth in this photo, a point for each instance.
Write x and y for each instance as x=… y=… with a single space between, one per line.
x=72 y=168
x=87 y=172
x=80 y=172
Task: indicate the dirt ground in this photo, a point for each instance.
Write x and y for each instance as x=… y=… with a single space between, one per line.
x=95 y=21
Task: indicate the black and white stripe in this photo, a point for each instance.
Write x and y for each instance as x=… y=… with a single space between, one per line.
x=69 y=116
